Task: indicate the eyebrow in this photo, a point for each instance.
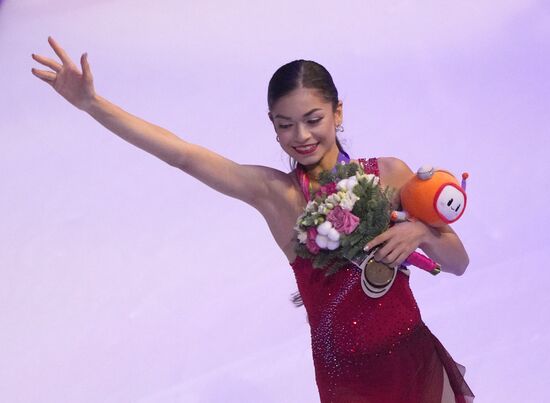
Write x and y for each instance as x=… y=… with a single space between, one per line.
x=305 y=114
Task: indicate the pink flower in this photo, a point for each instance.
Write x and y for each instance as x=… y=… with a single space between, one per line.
x=311 y=245
x=343 y=220
x=327 y=189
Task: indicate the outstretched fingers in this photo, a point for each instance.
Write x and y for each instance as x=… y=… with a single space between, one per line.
x=59 y=51
x=52 y=64
x=47 y=76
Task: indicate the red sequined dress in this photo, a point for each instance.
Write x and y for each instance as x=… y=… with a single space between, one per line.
x=373 y=350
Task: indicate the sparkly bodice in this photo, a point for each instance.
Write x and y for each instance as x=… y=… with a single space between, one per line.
x=344 y=321
x=362 y=347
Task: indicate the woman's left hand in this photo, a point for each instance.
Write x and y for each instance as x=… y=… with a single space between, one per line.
x=398 y=242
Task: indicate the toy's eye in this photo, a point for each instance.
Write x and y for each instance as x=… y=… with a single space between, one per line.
x=450 y=202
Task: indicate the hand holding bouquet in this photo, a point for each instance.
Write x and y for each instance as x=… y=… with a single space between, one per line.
x=348 y=211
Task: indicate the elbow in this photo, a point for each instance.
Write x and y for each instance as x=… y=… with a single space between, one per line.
x=175 y=162
x=178 y=159
x=461 y=268
x=458 y=268
x=460 y=271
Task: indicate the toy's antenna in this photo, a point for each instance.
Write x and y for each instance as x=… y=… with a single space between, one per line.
x=464 y=177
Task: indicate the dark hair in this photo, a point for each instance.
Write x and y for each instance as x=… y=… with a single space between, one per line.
x=302 y=73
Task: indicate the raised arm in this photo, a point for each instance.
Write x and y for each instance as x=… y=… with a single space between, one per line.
x=249 y=183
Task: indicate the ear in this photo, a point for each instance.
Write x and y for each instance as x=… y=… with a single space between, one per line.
x=270 y=115
x=339 y=113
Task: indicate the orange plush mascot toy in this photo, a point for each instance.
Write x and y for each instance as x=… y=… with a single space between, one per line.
x=433 y=196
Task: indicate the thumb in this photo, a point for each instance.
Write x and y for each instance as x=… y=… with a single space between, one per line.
x=86 y=71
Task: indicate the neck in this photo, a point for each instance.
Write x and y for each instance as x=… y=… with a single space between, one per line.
x=326 y=163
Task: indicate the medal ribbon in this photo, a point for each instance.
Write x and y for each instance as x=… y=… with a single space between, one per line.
x=305 y=184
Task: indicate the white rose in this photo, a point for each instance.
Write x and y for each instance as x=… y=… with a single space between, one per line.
x=351 y=183
x=342 y=185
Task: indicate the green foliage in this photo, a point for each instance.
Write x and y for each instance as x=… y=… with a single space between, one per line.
x=322 y=259
x=373 y=208
x=342 y=171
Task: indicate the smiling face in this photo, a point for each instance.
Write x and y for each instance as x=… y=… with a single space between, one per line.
x=450 y=203
x=306 y=126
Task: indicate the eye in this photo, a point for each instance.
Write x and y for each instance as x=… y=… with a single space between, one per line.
x=450 y=202
x=284 y=126
x=314 y=121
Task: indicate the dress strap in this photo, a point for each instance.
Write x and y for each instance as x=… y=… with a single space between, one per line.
x=303 y=180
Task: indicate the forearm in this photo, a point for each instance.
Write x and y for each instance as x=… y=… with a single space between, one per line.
x=446 y=249
x=147 y=136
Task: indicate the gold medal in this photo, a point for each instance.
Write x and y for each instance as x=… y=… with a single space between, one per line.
x=378 y=274
x=376 y=277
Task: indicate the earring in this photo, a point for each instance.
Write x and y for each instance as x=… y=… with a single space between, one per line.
x=340 y=128
x=278 y=140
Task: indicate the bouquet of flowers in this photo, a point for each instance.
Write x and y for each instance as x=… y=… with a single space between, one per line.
x=349 y=210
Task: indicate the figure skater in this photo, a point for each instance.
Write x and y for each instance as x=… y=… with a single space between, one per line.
x=364 y=349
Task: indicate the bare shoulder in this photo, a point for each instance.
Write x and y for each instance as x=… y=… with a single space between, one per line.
x=280 y=181
x=282 y=189
x=394 y=172
x=273 y=176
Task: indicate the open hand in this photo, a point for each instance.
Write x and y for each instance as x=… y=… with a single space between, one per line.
x=398 y=242
x=72 y=84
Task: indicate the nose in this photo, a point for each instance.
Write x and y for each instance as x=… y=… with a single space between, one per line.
x=301 y=133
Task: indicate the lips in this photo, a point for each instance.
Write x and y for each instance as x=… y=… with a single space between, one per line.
x=307 y=149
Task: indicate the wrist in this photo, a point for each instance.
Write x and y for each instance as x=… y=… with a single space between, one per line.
x=426 y=234
x=92 y=105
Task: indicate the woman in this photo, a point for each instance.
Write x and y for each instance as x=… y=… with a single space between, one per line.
x=364 y=350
